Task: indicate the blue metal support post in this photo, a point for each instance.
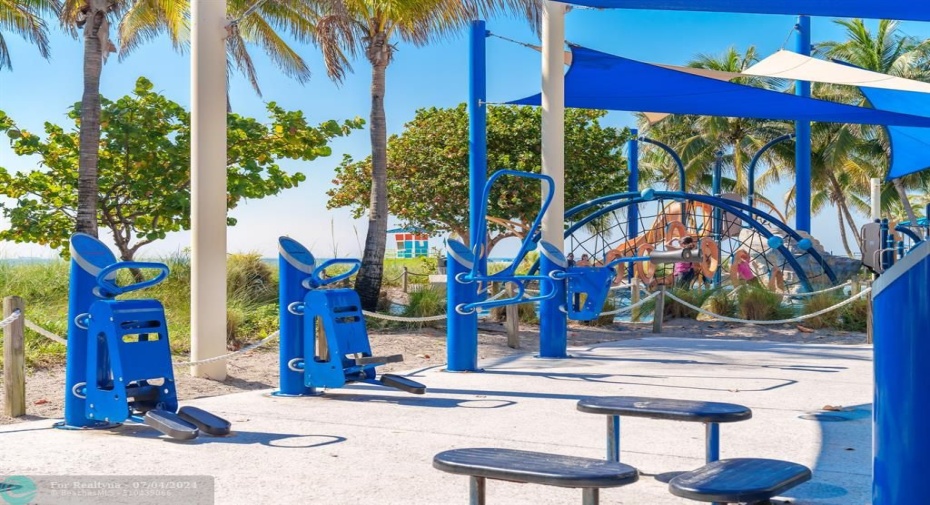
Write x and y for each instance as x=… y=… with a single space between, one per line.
x=718 y=216
x=88 y=257
x=477 y=134
x=751 y=198
x=295 y=264
x=462 y=328
x=802 y=195
x=633 y=210
x=613 y=438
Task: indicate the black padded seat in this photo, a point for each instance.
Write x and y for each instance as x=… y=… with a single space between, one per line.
x=534 y=468
x=739 y=480
x=662 y=408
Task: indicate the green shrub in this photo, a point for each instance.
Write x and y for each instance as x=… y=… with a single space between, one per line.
x=854 y=317
x=428 y=301
x=756 y=303
x=695 y=297
x=249 y=279
x=817 y=303
x=720 y=302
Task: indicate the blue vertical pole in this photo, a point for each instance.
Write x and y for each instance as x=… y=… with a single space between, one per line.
x=802 y=178
x=477 y=133
x=633 y=210
x=553 y=321
x=462 y=328
x=295 y=263
x=88 y=257
x=718 y=218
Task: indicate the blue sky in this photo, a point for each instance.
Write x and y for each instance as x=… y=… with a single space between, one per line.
x=37 y=91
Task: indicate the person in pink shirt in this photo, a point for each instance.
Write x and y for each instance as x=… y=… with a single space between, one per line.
x=684 y=271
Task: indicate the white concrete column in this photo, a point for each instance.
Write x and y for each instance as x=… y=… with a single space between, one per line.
x=876 y=198
x=553 y=118
x=208 y=186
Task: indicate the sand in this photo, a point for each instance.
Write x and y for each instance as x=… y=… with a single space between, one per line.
x=425 y=347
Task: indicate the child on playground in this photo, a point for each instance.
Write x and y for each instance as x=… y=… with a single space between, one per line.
x=742 y=271
x=684 y=271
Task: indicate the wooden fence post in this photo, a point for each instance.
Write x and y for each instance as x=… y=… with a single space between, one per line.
x=659 y=314
x=634 y=298
x=405 y=279
x=512 y=320
x=14 y=359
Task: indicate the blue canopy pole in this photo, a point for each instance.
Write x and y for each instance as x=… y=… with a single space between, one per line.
x=633 y=210
x=477 y=133
x=716 y=189
x=802 y=162
x=682 y=182
x=462 y=330
x=755 y=160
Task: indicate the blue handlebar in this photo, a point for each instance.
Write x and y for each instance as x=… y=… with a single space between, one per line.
x=531 y=235
x=316 y=281
x=112 y=289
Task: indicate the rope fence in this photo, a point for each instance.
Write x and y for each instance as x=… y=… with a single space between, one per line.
x=633 y=306
x=797 y=319
x=9 y=319
x=244 y=350
x=388 y=317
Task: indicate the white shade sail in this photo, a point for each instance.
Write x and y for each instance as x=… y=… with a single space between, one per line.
x=797 y=67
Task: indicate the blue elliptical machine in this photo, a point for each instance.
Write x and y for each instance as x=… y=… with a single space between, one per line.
x=324 y=342
x=119 y=359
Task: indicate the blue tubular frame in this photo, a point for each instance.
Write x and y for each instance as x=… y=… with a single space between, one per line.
x=905 y=230
x=738 y=209
x=315 y=281
x=530 y=239
x=710 y=200
x=111 y=289
x=682 y=181
x=751 y=194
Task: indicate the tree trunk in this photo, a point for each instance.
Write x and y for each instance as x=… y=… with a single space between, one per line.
x=841 y=206
x=96 y=42
x=902 y=195
x=839 y=217
x=368 y=282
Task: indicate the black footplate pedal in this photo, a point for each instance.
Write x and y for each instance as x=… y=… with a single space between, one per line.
x=402 y=383
x=170 y=424
x=379 y=360
x=208 y=423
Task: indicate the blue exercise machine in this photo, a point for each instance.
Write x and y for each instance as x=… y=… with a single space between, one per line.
x=580 y=291
x=119 y=360
x=324 y=342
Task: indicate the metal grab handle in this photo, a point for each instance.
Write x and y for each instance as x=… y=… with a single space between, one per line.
x=480 y=245
x=544 y=294
x=110 y=288
x=293 y=365
x=296 y=308
x=318 y=281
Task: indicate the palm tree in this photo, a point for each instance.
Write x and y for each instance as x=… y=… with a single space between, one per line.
x=143 y=20
x=697 y=139
x=349 y=27
x=887 y=51
x=24 y=17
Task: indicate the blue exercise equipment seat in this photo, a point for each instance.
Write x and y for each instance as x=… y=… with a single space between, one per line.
x=119 y=358
x=324 y=341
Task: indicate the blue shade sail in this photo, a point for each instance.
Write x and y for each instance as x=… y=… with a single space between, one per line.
x=910 y=147
x=599 y=80
x=911 y=10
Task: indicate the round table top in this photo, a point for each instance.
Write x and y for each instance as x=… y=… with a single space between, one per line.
x=663 y=408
